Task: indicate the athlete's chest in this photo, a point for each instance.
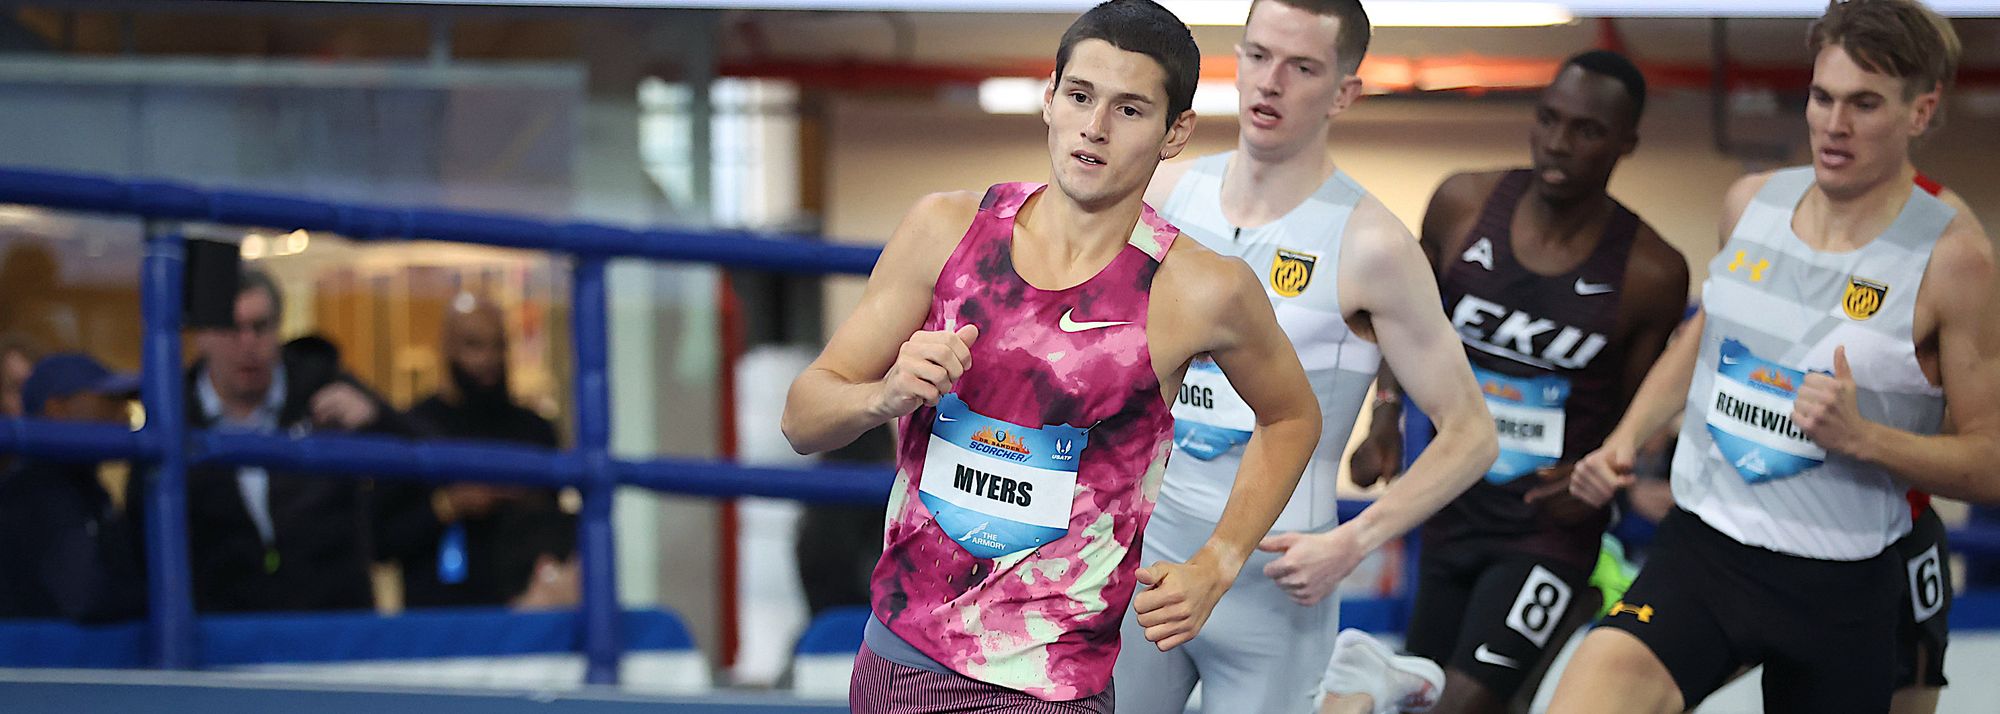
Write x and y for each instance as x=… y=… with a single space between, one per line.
x=1550 y=322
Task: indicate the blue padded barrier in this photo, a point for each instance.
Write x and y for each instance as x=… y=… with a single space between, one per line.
x=267 y=638
x=834 y=632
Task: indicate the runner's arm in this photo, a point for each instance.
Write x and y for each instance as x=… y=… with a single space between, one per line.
x=1955 y=465
x=1263 y=367
x=1381 y=452
x=1665 y=389
x=1395 y=287
x=842 y=393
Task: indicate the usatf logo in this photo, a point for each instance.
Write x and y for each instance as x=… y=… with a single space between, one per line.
x=1644 y=612
x=1065 y=450
x=1002 y=444
x=1756 y=269
x=1863 y=298
x=1291 y=271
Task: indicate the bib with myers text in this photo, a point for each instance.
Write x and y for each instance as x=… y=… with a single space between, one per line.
x=998 y=488
x=1750 y=417
x=1528 y=416
x=1209 y=417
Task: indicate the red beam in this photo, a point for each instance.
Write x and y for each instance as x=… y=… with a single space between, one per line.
x=1398 y=74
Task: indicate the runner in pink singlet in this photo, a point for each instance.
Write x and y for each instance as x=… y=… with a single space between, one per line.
x=1029 y=342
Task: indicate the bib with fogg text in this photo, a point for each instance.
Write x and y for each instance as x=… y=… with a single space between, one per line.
x=998 y=488
x=1209 y=417
x=1528 y=416
x=1750 y=417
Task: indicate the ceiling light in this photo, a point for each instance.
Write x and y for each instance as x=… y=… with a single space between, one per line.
x=1011 y=95
x=1383 y=13
x=1466 y=13
x=1023 y=95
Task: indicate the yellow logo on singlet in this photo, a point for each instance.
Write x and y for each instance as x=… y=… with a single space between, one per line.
x=1756 y=269
x=1644 y=612
x=1291 y=271
x=1863 y=298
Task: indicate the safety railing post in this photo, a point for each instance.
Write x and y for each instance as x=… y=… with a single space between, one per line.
x=170 y=593
x=593 y=443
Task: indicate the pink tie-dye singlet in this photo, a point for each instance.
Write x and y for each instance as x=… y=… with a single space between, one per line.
x=981 y=570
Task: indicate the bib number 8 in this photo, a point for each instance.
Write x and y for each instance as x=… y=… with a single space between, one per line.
x=1539 y=608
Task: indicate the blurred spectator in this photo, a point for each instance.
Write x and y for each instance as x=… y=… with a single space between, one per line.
x=68 y=551
x=17 y=360
x=543 y=574
x=262 y=540
x=839 y=543
x=39 y=306
x=475 y=543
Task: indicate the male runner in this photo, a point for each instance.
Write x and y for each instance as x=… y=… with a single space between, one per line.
x=1923 y=622
x=1030 y=342
x=1847 y=312
x=1343 y=276
x=1563 y=299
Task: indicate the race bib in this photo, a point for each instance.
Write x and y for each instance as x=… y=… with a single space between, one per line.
x=1528 y=416
x=998 y=488
x=1209 y=418
x=1750 y=417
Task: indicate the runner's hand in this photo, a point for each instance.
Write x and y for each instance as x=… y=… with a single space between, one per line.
x=1178 y=599
x=1827 y=409
x=926 y=367
x=1378 y=458
x=1313 y=564
x=1554 y=498
x=1601 y=473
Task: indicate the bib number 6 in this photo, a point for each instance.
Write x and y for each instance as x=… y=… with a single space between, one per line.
x=1926 y=584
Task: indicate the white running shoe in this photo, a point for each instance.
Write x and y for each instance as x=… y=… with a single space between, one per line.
x=1398 y=683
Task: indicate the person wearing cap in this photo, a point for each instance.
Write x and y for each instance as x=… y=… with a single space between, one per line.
x=70 y=552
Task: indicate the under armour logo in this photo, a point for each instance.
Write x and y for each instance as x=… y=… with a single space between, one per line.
x=1756 y=269
x=1644 y=612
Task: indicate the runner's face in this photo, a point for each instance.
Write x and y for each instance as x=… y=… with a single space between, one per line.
x=1288 y=84
x=1583 y=127
x=1861 y=124
x=1107 y=123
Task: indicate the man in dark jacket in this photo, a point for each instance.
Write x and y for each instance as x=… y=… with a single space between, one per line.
x=264 y=540
x=473 y=543
x=69 y=553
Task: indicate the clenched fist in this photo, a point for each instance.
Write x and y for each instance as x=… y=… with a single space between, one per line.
x=926 y=367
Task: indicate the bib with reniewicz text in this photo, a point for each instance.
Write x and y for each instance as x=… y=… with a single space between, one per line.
x=1209 y=417
x=997 y=488
x=1750 y=417
x=1528 y=417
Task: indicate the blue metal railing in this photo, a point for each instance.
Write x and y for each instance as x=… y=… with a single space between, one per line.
x=170 y=447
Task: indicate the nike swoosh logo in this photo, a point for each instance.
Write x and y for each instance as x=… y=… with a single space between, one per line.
x=1494 y=658
x=1069 y=325
x=942 y=417
x=1730 y=360
x=1588 y=288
